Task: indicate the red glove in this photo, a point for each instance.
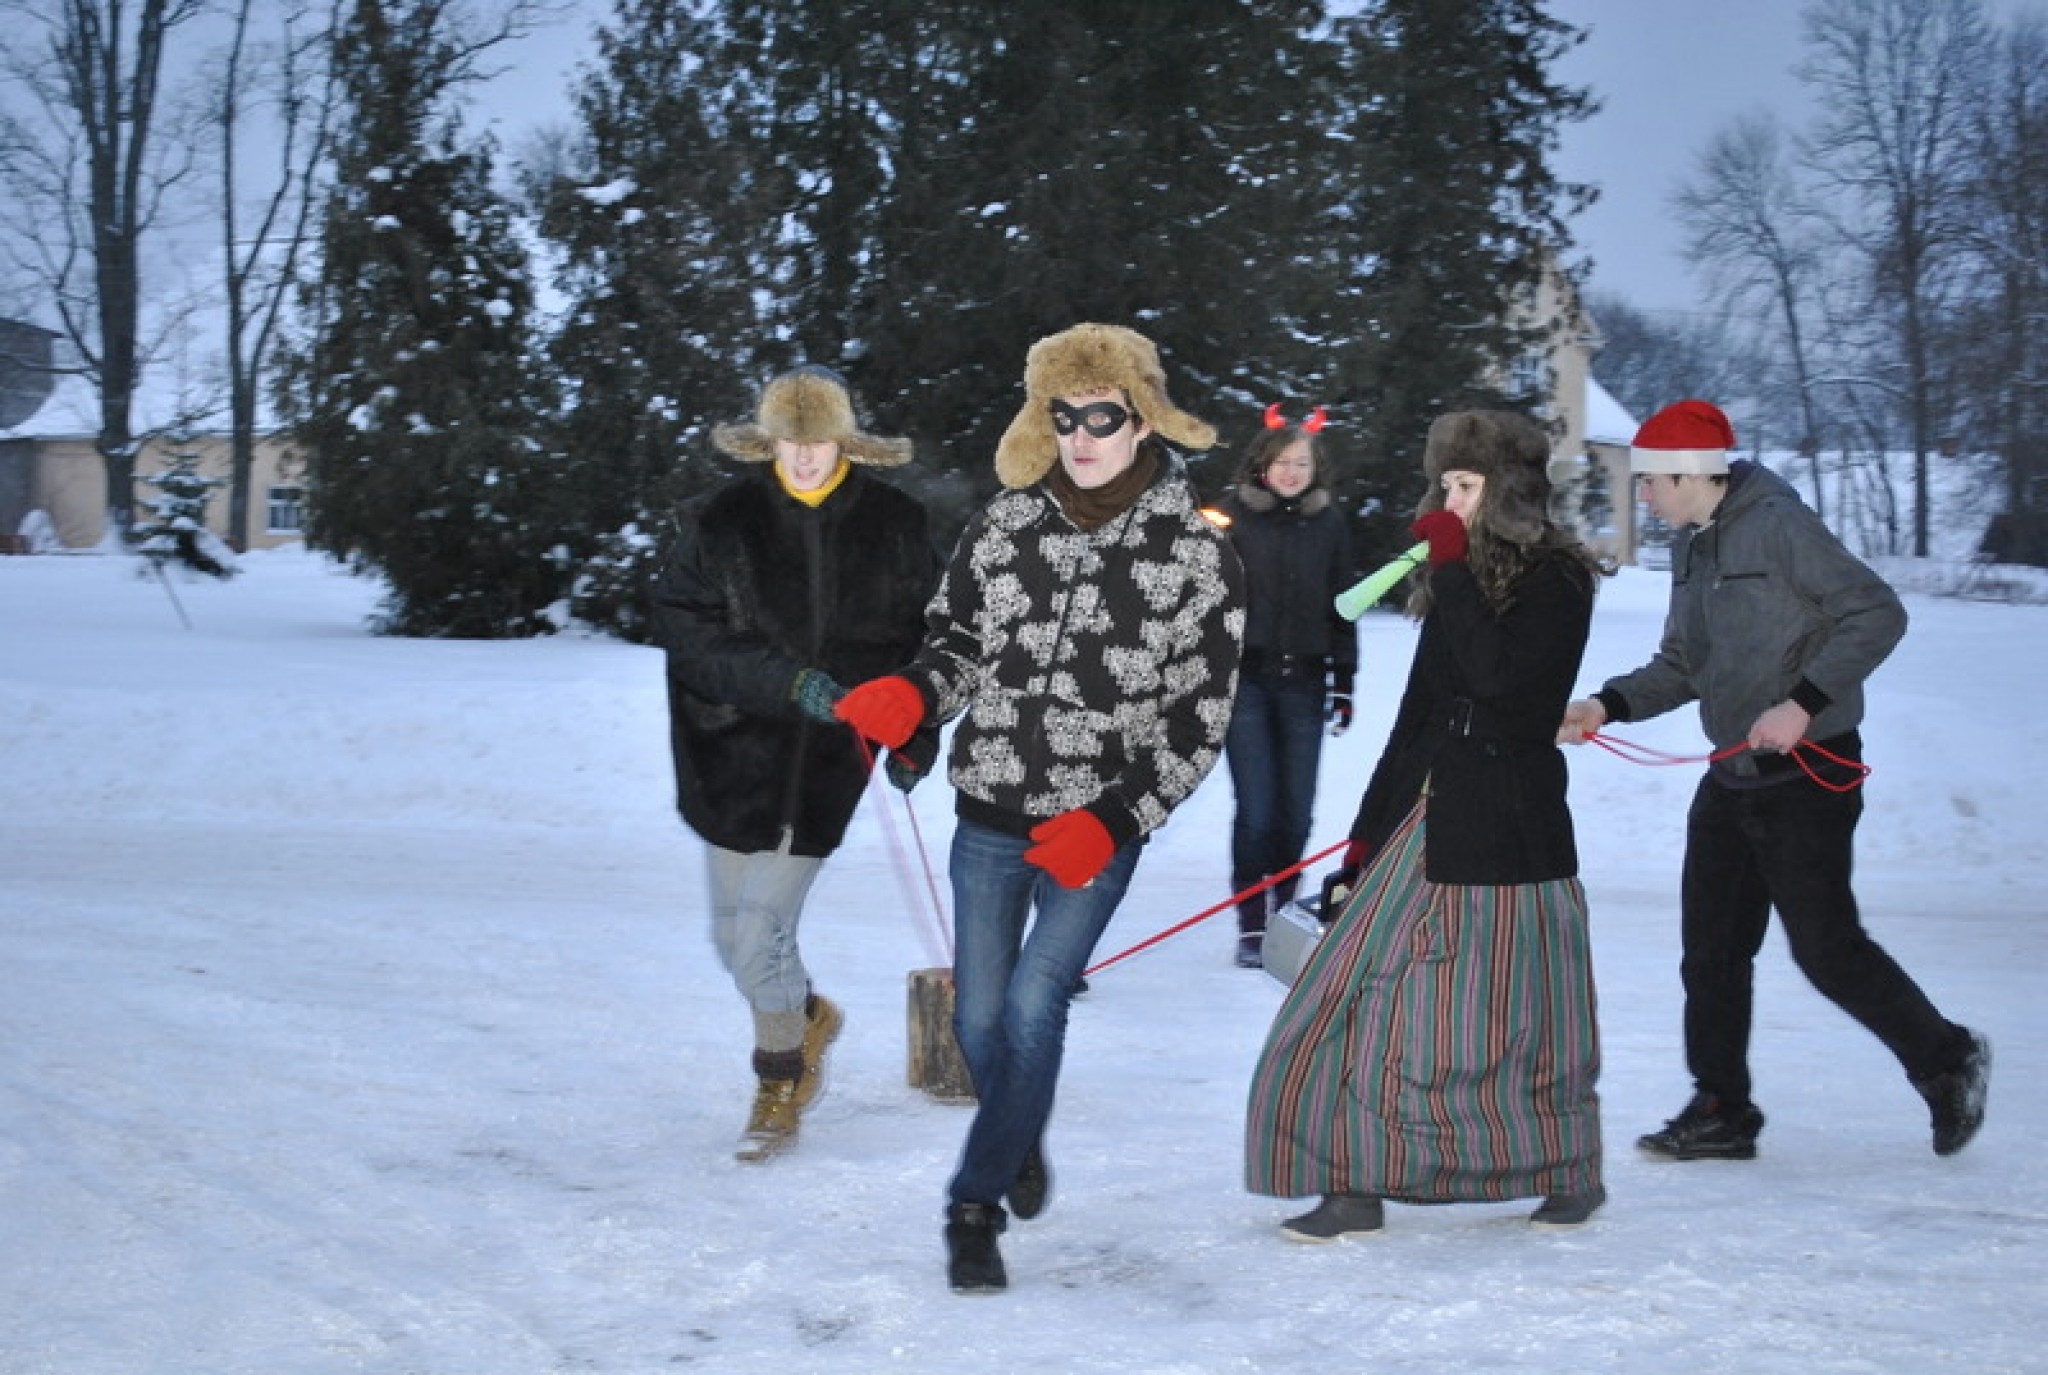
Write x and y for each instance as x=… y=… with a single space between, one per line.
x=885 y=710
x=1446 y=536
x=1073 y=847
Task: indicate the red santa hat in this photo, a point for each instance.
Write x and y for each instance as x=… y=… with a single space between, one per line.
x=1685 y=438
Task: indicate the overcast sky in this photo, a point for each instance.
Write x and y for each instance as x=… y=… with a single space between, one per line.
x=1667 y=74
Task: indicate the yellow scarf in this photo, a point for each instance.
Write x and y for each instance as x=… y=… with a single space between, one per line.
x=816 y=496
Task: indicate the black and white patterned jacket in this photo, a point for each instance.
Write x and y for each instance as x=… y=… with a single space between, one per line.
x=1096 y=669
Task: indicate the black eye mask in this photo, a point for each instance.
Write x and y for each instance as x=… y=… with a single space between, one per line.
x=1100 y=418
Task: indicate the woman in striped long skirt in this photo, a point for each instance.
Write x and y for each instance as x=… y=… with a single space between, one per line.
x=1440 y=1045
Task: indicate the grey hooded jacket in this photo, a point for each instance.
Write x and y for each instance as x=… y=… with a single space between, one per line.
x=1766 y=605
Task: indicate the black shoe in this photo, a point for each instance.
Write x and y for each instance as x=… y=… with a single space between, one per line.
x=1251 y=952
x=973 y=1264
x=1569 y=1210
x=1336 y=1217
x=1080 y=987
x=1033 y=1183
x=1955 y=1097
x=1707 y=1129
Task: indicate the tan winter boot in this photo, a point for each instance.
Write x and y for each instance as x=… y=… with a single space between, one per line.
x=771 y=1127
x=821 y=1028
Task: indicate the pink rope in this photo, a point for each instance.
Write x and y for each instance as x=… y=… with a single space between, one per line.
x=933 y=930
x=939 y=922
x=1636 y=753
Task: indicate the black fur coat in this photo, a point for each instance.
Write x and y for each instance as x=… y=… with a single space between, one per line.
x=757 y=587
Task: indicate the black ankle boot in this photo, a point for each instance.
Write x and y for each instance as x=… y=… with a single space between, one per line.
x=1336 y=1217
x=1033 y=1183
x=973 y=1264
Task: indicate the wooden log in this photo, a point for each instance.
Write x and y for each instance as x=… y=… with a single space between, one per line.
x=936 y=1065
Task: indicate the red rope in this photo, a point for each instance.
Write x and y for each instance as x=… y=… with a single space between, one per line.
x=931 y=883
x=1209 y=912
x=1643 y=754
x=932 y=925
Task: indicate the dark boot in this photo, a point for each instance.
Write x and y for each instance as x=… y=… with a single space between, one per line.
x=973 y=1264
x=1707 y=1129
x=1336 y=1217
x=1569 y=1210
x=1956 y=1096
x=1033 y=1183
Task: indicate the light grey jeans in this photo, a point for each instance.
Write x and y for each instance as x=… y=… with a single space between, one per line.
x=756 y=902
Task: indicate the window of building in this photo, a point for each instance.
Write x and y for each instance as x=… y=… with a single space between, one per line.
x=287 y=510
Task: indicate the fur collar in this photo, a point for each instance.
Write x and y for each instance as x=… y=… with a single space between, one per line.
x=1260 y=499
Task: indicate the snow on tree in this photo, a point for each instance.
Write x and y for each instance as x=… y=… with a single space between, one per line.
x=175 y=531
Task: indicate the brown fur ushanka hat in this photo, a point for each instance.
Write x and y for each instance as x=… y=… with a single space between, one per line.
x=1506 y=448
x=1089 y=358
x=808 y=405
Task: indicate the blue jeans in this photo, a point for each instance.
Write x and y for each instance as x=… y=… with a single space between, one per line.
x=1010 y=991
x=1273 y=749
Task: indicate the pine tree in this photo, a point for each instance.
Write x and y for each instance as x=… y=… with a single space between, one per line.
x=1295 y=210
x=1117 y=160
x=414 y=396
x=175 y=531
x=1451 y=216
x=652 y=225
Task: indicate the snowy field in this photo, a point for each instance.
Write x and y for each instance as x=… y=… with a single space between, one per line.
x=358 y=1013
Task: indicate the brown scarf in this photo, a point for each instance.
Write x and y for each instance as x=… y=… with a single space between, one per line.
x=1093 y=509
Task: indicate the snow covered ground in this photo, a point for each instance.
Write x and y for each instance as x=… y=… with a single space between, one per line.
x=357 y=1013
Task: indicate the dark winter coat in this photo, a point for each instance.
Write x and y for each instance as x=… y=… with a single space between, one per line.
x=1297 y=558
x=757 y=587
x=1478 y=721
x=1096 y=668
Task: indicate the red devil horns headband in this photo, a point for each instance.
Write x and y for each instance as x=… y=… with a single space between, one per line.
x=1318 y=418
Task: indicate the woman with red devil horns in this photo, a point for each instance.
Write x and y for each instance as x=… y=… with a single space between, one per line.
x=1299 y=656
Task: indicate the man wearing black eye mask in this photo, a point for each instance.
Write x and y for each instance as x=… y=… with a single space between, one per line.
x=1087 y=634
x=1101 y=419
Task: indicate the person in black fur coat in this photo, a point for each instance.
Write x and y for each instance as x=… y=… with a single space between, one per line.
x=784 y=583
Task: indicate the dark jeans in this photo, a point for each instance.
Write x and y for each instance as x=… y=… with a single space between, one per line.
x=1010 y=991
x=1274 y=747
x=1787 y=846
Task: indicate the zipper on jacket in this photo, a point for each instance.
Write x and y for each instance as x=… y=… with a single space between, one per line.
x=812 y=524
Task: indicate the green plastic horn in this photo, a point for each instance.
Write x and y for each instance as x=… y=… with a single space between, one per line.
x=1365 y=594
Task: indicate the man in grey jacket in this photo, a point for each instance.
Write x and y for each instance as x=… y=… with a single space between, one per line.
x=1773 y=629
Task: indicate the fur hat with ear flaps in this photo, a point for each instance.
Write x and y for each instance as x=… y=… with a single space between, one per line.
x=1089 y=358
x=809 y=405
x=1510 y=451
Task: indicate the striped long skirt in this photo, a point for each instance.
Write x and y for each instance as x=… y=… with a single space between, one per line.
x=1440 y=1045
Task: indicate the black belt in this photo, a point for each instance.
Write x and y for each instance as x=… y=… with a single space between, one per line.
x=1461 y=716
x=1262 y=663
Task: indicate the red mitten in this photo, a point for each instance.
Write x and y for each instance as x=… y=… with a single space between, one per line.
x=885 y=710
x=1073 y=847
x=1445 y=533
